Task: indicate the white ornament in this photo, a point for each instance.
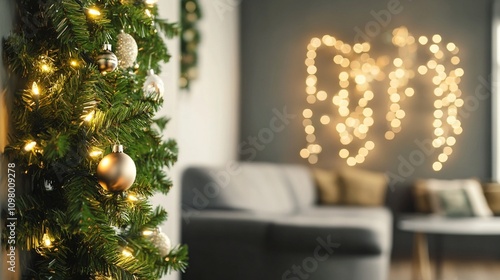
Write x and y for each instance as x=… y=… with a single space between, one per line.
x=48 y=185
x=153 y=86
x=161 y=241
x=150 y=3
x=126 y=50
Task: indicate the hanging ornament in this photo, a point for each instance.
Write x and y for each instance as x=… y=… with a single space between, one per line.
x=126 y=50
x=107 y=60
x=160 y=240
x=116 y=171
x=150 y=3
x=49 y=185
x=153 y=87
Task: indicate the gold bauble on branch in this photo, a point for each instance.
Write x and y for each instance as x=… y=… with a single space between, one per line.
x=116 y=171
x=126 y=50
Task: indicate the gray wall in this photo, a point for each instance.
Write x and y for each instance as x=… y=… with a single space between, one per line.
x=274 y=38
x=275 y=35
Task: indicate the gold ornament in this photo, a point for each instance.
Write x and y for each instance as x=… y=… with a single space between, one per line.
x=153 y=87
x=126 y=50
x=116 y=171
x=106 y=60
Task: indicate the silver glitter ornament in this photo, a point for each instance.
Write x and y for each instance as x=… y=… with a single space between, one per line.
x=126 y=50
x=161 y=241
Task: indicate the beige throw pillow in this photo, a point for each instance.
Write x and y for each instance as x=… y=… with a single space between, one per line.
x=328 y=186
x=362 y=187
x=492 y=194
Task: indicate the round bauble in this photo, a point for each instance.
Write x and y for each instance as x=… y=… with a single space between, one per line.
x=116 y=171
x=150 y=3
x=126 y=50
x=161 y=241
x=153 y=86
x=49 y=185
x=107 y=60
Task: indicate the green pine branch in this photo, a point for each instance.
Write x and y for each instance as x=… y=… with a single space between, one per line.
x=66 y=117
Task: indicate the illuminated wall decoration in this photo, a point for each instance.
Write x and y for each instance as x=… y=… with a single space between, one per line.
x=400 y=77
x=355 y=117
x=352 y=116
x=445 y=75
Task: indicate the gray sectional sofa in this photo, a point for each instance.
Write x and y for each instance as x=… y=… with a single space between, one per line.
x=261 y=221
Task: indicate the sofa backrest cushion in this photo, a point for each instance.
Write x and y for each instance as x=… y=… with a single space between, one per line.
x=257 y=187
x=301 y=182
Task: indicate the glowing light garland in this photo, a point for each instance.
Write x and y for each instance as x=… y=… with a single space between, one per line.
x=400 y=77
x=351 y=100
x=446 y=77
x=358 y=71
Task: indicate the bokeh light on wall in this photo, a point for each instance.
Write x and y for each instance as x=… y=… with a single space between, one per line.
x=443 y=71
x=399 y=78
x=353 y=117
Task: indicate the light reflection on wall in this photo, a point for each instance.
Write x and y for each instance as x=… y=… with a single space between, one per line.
x=353 y=116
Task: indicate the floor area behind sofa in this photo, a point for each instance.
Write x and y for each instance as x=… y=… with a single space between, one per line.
x=452 y=270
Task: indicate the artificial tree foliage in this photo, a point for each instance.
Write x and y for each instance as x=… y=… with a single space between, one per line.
x=66 y=116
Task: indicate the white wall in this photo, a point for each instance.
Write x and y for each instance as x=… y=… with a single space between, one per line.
x=204 y=119
x=169 y=9
x=208 y=125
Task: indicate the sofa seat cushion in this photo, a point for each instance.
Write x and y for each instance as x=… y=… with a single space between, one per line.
x=355 y=230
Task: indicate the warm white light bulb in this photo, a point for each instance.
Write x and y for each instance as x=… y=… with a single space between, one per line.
x=126 y=253
x=132 y=197
x=94 y=12
x=35 y=89
x=29 y=147
x=95 y=153
x=45 y=68
x=46 y=240
x=89 y=116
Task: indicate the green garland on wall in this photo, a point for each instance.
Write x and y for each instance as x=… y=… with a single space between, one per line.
x=190 y=38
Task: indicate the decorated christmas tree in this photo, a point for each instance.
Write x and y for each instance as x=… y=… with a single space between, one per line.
x=87 y=147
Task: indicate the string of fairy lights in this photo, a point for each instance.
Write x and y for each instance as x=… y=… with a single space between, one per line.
x=447 y=93
x=358 y=71
x=353 y=117
x=399 y=77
